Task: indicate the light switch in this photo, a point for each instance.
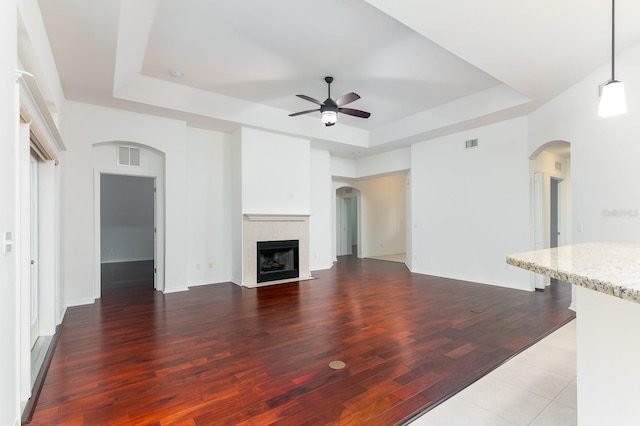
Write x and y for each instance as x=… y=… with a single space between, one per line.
x=8 y=242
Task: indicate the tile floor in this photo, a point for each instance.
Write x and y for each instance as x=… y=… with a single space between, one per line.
x=537 y=387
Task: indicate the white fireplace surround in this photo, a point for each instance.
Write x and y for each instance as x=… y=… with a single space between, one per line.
x=273 y=227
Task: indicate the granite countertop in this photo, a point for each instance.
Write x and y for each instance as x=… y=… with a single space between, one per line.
x=610 y=268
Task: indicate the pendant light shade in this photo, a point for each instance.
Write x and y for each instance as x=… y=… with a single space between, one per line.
x=612 y=98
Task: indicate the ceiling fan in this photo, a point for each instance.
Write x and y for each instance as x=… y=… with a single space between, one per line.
x=329 y=109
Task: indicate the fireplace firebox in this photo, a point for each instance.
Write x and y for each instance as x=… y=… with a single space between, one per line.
x=277 y=260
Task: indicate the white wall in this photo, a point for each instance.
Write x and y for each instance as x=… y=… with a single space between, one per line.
x=276 y=172
x=604 y=153
x=209 y=197
x=87 y=125
x=236 y=207
x=343 y=167
x=126 y=218
x=9 y=325
x=471 y=206
x=320 y=240
x=398 y=160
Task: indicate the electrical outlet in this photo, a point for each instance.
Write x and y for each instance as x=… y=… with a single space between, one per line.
x=198 y=266
x=210 y=265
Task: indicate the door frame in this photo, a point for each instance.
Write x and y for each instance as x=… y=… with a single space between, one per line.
x=342 y=218
x=538 y=223
x=158 y=217
x=558 y=211
x=34 y=261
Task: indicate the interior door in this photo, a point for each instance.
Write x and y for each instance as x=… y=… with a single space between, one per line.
x=34 y=305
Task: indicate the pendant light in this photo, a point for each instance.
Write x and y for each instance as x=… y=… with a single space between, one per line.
x=612 y=98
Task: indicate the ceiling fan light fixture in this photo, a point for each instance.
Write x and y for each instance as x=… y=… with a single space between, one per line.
x=612 y=99
x=329 y=118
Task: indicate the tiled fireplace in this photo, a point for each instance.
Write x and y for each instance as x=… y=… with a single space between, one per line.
x=280 y=231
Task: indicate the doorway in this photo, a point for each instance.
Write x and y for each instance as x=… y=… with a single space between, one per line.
x=127 y=229
x=550 y=167
x=348 y=217
x=149 y=164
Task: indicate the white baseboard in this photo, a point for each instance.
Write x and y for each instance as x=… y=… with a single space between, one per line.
x=322 y=268
x=80 y=302
x=474 y=280
x=175 y=289
x=124 y=260
x=61 y=317
x=208 y=282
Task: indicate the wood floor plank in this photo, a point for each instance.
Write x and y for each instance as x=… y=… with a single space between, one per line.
x=223 y=354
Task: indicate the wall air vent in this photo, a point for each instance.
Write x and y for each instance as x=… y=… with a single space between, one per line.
x=128 y=156
x=471 y=143
x=558 y=166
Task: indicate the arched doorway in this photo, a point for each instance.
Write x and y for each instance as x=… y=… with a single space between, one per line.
x=550 y=168
x=139 y=162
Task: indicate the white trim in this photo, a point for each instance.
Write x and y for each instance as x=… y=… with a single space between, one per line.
x=214 y=281
x=472 y=280
x=277 y=217
x=129 y=259
x=80 y=302
x=34 y=102
x=288 y=280
x=322 y=267
x=97 y=254
x=176 y=290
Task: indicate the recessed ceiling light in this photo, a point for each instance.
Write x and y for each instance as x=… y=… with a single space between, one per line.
x=175 y=73
x=355 y=153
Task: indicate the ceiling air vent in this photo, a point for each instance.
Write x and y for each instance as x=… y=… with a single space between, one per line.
x=471 y=143
x=558 y=165
x=128 y=156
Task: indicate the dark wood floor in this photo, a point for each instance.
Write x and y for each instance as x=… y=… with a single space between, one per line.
x=226 y=355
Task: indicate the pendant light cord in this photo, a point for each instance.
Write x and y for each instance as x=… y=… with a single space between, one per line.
x=613 y=40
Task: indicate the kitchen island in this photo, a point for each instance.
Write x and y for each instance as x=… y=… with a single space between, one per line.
x=607 y=280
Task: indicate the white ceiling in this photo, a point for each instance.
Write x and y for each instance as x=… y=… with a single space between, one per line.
x=422 y=68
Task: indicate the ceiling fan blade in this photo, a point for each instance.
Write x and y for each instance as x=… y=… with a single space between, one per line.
x=347 y=99
x=354 y=112
x=303 y=112
x=310 y=99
